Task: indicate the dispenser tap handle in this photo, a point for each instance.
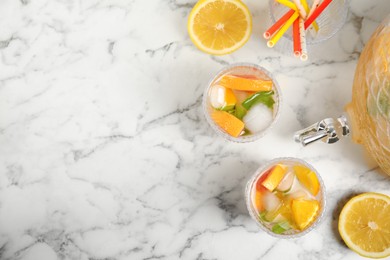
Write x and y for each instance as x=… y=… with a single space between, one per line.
x=327 y=130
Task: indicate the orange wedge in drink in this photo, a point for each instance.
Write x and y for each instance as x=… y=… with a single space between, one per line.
x=222 y=98
x=230 y=98
x=229 y=123
x=304 y=212
x=245 y=84
x=275 y=177
x=308 y=178
x=259 y=201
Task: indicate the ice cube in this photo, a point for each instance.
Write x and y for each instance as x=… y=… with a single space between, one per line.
x=298 y=191
x=300 y=194
x=279 y=218
x=271 y=201
x=217 y=96
x=287 y=182
x=258 y=118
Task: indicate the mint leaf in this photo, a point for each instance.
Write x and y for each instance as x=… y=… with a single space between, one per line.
x=228 y=108
x=264 y=97
x=281 y=227
x=262 y=216
x=240 y=112
x=246 y=132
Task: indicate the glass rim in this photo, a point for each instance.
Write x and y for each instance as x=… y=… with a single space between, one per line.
x=252 y=137
x=258 y=173
x=309 y=40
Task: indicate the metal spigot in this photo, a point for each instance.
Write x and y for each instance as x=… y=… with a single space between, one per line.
x=328 y=130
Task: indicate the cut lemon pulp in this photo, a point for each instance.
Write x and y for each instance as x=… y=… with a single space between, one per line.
x=219 y=26
x=364 y=225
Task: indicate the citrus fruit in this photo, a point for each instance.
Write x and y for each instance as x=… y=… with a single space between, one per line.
x=259 y=186
x=259 y=201
x=275 y=177
x=222 y=98
x=304 y=212
x=364 y=224
x=308 y=178
x=230 y=98
x=246 y=84
x=219 y=26
x=229 y=123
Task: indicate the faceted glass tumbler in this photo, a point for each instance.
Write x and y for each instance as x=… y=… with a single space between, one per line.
x=243 y=69
x=253 y=212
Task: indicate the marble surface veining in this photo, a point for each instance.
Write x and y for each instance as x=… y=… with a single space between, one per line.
x=105 y=152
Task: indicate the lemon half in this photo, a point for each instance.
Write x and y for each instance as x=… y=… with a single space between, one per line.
x=219 y=27
x=364 y=225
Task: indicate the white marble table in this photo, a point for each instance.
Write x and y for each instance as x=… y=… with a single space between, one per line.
x=105 y=152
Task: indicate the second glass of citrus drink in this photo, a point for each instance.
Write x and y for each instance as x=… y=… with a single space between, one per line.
x=286 y=197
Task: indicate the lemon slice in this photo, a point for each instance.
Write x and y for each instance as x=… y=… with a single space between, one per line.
x=364 y=225
x=219 y=26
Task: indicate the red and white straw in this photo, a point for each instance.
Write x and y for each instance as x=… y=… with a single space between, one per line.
x=302 y=34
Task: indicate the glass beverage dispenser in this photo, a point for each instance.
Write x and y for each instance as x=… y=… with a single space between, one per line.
x=368 y=115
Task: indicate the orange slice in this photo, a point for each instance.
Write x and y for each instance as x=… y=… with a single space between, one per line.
x=219 y=26
x=304 y=212
x=259 y=186
x=229 y=123
x=259 y=201
x=307 y=178
x=364 y=224
x=230 y=98
x=222 y=98
x=245 y=84
x=275 y=177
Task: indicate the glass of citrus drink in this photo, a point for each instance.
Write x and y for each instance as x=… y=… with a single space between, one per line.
x=242 y=102
x=286 y=197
